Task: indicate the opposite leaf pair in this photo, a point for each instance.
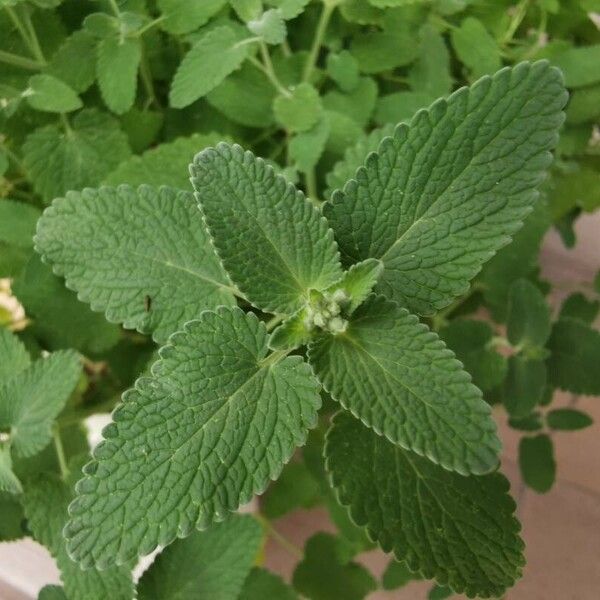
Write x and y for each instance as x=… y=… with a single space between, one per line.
x=219 y=416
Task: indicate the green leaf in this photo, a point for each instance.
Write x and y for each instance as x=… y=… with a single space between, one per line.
x=118 y=62
x=470 y=341
x=327 y=573
x=524 y=385
x=49 y=94
x=252 y=215
x=397 y=575
x=216 y=54
x=343 y=69
x=354 y=156
x=13 y=519
x=435 y=225
x=75 y=61
x=431 y=72
x=476 y=48
x=357 y=104
x=378 y=51
x=528 y=320
x=358 y=283
x=577 y=306
x=14 y=358
x=401 y=380
x=45 y=501
x=573 y=363
x=578 y=65
x=584 y=105
x=166 y=164
x=30 y=401
x=568 y=419
x=399 y=107
x=142 y=127
x=300 y=110
x=151 y=266
x=263 y=585
x=439 y=592
x=17 y=226
x=305 y=148
x=183 y=16
x=212 y=426
x=207 y=565
x=60 y=320
x=231 y=98
x=58 y=162
x=9 y=482
x=290 y=9
x=532 y=422
x=101 y=25
x=52 y=592
x=536 y=462
x=460 y=530
x=247 y=9
x=270 y=26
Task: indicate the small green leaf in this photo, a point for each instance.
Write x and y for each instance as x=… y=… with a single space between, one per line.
x=212 y=426
x=397 y=575
x=358 y=283
x=568 y=419
x=536 y=462
x=14 y=358
x=300 y=110
x=52 y=592
x=476 y=48
x=270 y=26
x=358 y=104
x=378 y=51
x=439 y=592
x=75 y=61
x=263 y=585
x=13 y=519
x=247 y=10
x=573 y=363
x=183 y=16
x=9 y=482
x=343 y=69
x=431 y=72
x=528 y=320
x=400 y=107
x=30 y=401
x=101 y=25
x=290 y=9
x=584 y=105
x=401 y=380
x=252 y=215
x=58 y=162
x=576 y=306
x=165 y=164
x=578 y=65
x=45 y=501
x=117 y=67
x=434 y=226
x=532 y=422
x=142 y=127
x=305 y=148
x=207 y=565
x=17 y=226
x=460 y=530
x=171 y=276
x=49 y=94
x=524 y=385
x=327 y=573
x=216 y=54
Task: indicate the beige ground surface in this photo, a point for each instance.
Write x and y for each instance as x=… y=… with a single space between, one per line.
x=561 y=528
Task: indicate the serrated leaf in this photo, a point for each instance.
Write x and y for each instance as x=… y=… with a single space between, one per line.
x=216 y=54
x=117 y=67
x=460 y=530
x=212 y=425
x=435 y=225
x=60 y=321
x=577 y=64
x=476 y=48
x=577 y=306
x=343 y=69
x=568 y=419
x=75 y=61
x=470 y=341
x=52 y=592
x=49 y=94
x=399 y=107
x=327 y=573
x=151 y=265
x=166 y=164
x=252 y=215
x=270 y=26
x=231 y=98
x=295 y=488
x=58 y=162
x=528 y=320
x=9 y=482
x=183 y=16
x=263 y=585
x=45 y=500
x=401 y=381
x=300 y=110
x=573 y=363
x=14 y=358
x=30 y=401
x=439 y=592
x=12 y=518
x=207 y=565
x=524 y=385
x=536 y=462
x=397 y=575
x=357 y=283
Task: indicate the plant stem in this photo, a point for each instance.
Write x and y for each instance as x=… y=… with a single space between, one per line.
x=280 y=538
x=60 y=452
x=19 y=61
x=439 y=319
x=311 y=61
x=311 y=187
x=147 y=79
x=23 y=32
x=65 y=122
x=274 y=357
x=271 y=76
x=36 y=48
x=150 y=25
x=114 y=7
x=272 y=323
x=517 y=18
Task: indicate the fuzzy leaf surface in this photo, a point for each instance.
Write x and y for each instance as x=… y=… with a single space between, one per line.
x=211 y=427
x=442 y=195
x=14 y=358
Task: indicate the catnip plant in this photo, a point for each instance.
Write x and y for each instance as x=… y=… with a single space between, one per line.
x=297 y=299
